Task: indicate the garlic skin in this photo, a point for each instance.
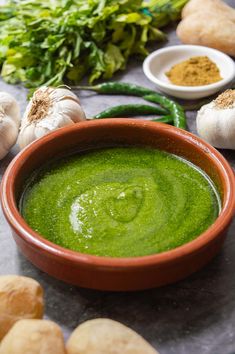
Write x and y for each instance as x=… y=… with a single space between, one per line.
x=9 y=122
x=49 y=109
x=217 y=125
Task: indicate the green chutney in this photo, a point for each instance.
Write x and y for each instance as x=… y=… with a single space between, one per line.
x=120 y=202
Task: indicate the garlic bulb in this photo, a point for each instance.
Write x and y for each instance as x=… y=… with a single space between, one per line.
x=216 y=121
x=49 y=109
x=9 y=122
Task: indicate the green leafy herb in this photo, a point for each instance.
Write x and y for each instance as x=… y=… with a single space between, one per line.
x=52 y=41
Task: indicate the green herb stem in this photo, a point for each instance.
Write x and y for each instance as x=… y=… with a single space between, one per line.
x=55 y=42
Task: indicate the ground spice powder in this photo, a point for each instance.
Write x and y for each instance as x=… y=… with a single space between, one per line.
x=195 y=71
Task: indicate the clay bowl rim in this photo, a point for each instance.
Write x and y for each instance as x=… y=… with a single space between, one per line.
x=33 y=239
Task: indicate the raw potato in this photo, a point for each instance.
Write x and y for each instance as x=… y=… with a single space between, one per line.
x=104 y=336
x=210 y=23
x=33 y=337
x=219 y=6
x=20 y=297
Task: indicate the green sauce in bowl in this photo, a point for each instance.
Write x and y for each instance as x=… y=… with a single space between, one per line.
x=120 y=202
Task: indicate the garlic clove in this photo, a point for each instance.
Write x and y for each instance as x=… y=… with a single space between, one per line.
x=10 y=106
x=71 y=110
x=26 y=136
x=8 y=135
x=41 y=131
x=9 y=122
x=61 y=93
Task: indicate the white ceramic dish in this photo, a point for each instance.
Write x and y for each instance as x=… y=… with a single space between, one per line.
x=159 y=62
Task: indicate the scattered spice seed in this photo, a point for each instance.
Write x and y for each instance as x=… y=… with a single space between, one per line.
x=225 y=100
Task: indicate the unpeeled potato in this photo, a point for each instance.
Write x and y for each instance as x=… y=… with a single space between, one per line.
x=33 y=337
x=20 y=297
x=104 y=336
x=210 y=23
x=218 y=6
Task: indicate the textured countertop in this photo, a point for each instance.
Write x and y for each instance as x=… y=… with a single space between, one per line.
x=195 y=316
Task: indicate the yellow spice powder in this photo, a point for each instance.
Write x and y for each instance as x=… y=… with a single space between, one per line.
x=195 y=71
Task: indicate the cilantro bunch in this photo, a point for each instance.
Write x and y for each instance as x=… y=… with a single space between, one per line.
x=54 y=41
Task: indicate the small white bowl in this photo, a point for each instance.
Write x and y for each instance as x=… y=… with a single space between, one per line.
x=159 y=62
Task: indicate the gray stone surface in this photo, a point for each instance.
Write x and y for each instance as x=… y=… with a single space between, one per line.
x=196 y=315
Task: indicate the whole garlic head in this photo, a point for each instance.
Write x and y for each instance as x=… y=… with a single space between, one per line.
x=9 y=122
x=216 y=121
x=49 y=109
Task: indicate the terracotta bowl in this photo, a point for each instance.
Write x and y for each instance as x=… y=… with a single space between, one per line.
x=106 y=273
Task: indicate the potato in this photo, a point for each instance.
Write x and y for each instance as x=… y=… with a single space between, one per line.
x=20 y=298
x=217 y=6
x=33 y=337
x=212 y=31
x=210 y=23
x=104 y=336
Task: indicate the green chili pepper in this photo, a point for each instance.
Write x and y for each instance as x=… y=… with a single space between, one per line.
x=130 y=110
x=163 y=119
x=116 y=88
x=175 y=109
x=124 y=88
